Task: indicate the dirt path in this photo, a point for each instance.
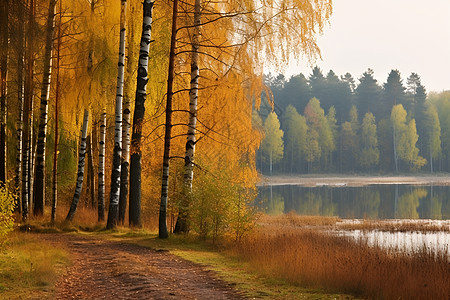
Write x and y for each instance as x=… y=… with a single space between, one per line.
x=104 y=269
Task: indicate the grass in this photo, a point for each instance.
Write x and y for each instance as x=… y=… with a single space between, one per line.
x=230 y=268
x=315 y=259
x=292 y=257
x=29 y=268
x=396 y=225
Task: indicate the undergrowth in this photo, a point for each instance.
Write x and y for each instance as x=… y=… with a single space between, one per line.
x=29 y=267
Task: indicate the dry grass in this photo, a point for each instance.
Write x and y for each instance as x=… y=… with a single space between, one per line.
x=293 y=220
x=312 y=258
x=29 y=267
x=395 y=225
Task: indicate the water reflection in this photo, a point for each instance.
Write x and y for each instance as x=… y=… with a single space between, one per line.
x=372 y=202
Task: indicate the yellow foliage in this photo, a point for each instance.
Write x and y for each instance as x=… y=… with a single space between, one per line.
x=6 y=212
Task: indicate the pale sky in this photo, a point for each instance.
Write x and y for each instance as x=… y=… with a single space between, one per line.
x=408 y=35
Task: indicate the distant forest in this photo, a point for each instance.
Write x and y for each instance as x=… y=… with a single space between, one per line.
x=327 y=123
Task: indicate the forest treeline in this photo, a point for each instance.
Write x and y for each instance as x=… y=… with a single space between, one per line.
x=116 y=105
x=327 y=123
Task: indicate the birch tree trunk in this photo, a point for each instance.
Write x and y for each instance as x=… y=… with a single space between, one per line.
x=138 y=117
x=20 y=99
x=91 y=181
x=182 y=224
x=28 y=114
x=80 y=173
x=101 y=168
x=126 y=124
x=113 y=212
x=163 y=233
x=55 y=151
x=4 y=37
x=39 y=179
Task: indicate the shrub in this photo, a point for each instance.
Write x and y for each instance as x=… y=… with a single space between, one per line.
x=6 y=212
x=220 y=206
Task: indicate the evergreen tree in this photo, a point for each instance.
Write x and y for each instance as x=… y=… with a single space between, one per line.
x=417 y=95
x=368 y=95
x=394 y=92
x=317 y=83
x=296 y=92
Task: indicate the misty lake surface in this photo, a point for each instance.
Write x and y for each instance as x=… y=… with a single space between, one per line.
x=378 y=201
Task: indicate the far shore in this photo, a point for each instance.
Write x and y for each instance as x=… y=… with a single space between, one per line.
x=354 y=180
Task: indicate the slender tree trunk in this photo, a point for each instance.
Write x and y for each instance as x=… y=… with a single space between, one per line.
x=395 y=149
x=39 y=180
x=20 y=100
x=163 y=233
x=91 y=181
x=138 y=117
x=126 y=117
x=80 y=173
x=126 y=124
x=57 y=96
x=101 y=168
x=28 y=114
x=4 y=37
x=113 y=213
x=182 y=224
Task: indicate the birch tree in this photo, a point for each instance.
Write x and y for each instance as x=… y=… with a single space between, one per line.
x=80 y=173
x=369 y=155
x=39 y=180
x=182 y=224
x=432 y=134
x=4 y=44
x=138 y=116
x=101 y=168
x=163 y=233
x=57 y=96
x=126 y=123
x=113 y=213
x=28 y=113
x=20 y=100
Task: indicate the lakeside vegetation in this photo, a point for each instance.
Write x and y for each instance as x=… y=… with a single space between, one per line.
x=286 y=256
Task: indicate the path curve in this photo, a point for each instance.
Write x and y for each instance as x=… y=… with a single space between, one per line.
x=103 y=269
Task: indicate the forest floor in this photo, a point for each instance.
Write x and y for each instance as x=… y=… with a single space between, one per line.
x=356 y=180
x=106 y=269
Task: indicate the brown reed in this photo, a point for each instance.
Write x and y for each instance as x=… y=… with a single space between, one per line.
x=313 y=258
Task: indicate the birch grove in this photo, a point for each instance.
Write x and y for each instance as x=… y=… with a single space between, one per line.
x=195 y=88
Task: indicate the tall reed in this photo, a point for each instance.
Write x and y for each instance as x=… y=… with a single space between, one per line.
x=313 y=258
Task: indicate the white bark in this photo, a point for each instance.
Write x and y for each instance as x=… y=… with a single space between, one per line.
x=138 y=117
x=113 y=212
x=39 y=181
x=81 y=164
x=101 y=168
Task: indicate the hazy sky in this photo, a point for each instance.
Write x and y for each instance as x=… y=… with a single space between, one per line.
x=408 y=35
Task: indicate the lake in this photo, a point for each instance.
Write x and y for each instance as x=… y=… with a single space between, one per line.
x=378 y=201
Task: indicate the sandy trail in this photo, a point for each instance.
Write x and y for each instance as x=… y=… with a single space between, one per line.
x=105 y=269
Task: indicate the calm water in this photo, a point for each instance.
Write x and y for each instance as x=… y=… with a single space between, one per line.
x=394 y=201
